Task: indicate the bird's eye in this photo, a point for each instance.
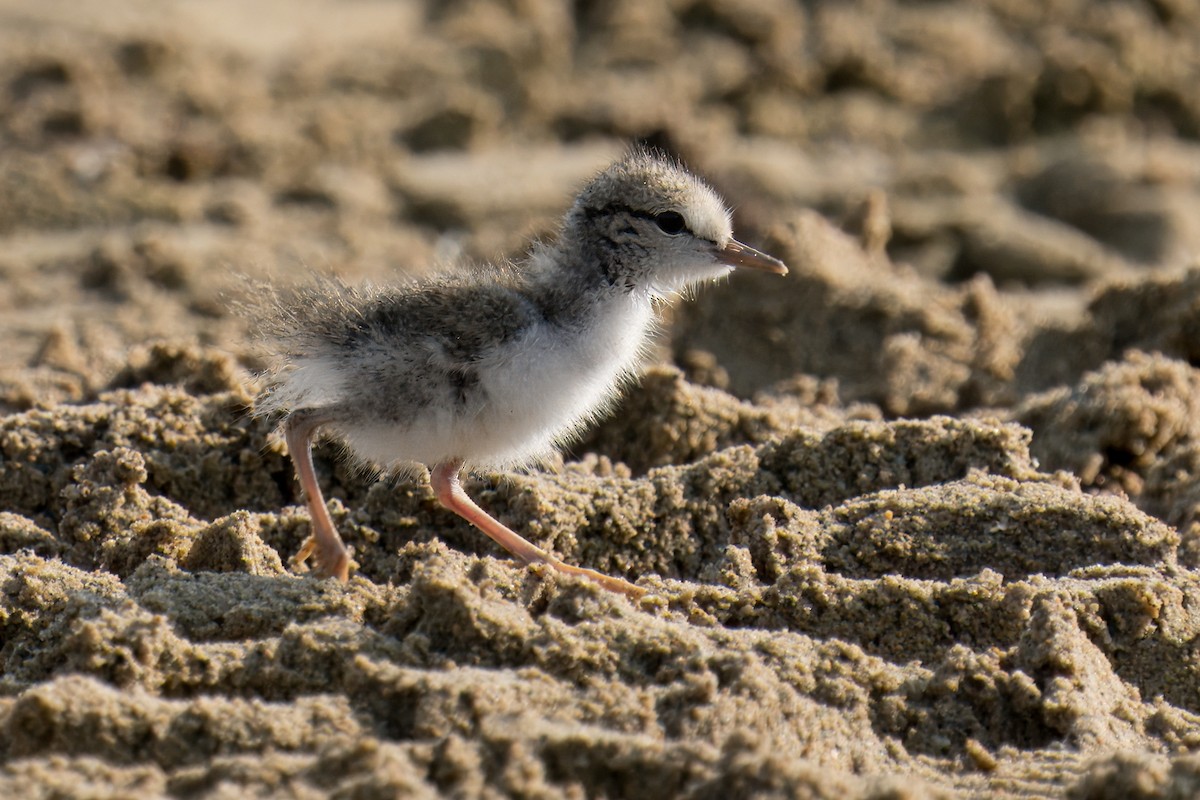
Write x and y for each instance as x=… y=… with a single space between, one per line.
x=670 y=222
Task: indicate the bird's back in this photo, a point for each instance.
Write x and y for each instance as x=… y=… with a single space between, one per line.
x=392 y=350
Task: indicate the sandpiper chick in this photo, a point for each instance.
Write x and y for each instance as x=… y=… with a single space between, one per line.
x=497 y=367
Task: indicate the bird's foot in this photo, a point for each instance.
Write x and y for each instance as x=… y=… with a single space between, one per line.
x=618 y=585
x=332 y=558
x=446 y=483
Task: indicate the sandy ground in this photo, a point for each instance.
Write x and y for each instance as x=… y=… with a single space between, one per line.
x=920 y=520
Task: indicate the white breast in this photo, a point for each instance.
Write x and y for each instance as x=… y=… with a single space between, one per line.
x=540 y=389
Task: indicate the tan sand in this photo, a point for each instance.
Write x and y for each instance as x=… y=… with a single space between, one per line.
x=920 y=520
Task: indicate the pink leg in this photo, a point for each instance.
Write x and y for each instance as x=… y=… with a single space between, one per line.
x=445 y=481
x=332 y=555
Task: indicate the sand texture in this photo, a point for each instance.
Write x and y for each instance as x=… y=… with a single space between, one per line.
x=920 y=520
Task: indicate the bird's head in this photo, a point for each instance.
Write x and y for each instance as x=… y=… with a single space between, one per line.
x=649 y=224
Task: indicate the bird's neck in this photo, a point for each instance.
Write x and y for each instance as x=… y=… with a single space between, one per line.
x=571 y=283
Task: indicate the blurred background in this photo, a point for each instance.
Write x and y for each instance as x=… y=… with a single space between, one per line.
x=150 y=152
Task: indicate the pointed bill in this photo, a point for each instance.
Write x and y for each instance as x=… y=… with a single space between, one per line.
x=736 y=254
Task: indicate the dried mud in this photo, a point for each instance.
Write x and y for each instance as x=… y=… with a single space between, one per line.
x=920 y=520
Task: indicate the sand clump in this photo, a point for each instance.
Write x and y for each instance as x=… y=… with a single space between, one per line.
x=862 y=596
x=919 y=520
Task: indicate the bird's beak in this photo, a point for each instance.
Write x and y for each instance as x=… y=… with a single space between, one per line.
x=736 y=254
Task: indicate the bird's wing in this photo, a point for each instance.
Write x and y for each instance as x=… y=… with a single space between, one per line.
x=459 y=325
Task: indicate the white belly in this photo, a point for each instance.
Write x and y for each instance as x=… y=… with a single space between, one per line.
x=540 y=390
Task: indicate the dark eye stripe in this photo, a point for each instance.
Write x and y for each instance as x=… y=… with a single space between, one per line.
x=614 y=208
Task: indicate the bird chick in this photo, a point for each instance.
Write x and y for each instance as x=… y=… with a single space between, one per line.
x=496 y=368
